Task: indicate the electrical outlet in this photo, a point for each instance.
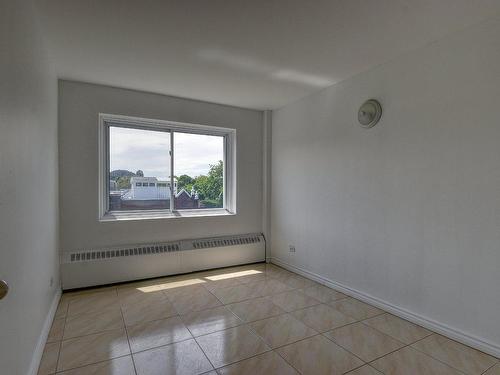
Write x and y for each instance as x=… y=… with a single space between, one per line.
x=291 y=248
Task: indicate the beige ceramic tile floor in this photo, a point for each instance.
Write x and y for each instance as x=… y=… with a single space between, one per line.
x=253 y=319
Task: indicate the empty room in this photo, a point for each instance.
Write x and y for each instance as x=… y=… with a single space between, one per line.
x=235 y=187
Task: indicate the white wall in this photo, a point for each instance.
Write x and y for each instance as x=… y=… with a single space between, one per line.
x=28 y=187
x=79 y=106
x=407 y=212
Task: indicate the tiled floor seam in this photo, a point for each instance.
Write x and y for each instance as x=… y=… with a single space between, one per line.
x=246 y=299
x=430 y=355
x=411 y=347
x=90 y=334
x=321 y=334
x=128 y=341
x=373 y=360
x=405 y=346
x=183 y=322
x=219 y=330
x=225 y=329
x=232 y=363
x=249 y=327
x=489 y=368
x=467 y=346
x=93 y=363
x=161 y=346
x=132 y=354
x=284 y=359
x=148 y=321
x=206 y=356
x=332 y=329
x=385 y=312
x=296 y=369
x=60 y=341
x=358 y=367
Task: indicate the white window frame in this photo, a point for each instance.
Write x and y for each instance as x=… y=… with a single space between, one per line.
x=229 y=183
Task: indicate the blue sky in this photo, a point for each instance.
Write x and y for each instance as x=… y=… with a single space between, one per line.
x=134 y=149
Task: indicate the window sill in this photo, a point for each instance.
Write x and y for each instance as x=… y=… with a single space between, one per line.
x=155 y=215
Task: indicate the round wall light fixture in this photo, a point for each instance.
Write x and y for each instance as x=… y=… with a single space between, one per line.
x=369 y=113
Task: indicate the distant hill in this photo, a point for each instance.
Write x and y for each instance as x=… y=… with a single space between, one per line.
x=120 y=173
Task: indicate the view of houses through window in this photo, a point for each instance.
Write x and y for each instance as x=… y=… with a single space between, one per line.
x=140 y=175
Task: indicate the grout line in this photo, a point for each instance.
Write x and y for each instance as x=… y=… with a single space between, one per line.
x=119 y=306
x=372 y=360
x=128 y=339
x=244 y=359
x=104 y=330
x=64 y=327
x=91 y=364
x=221 y=330
x=293 y=342
x=126 y=329
x=489 y=368
x=323 y=334
x=205 y=354
x=224 y=329
x=411 y=347
x=364 y=365
x=459 y=343
x=408 y=345
x=248 y=326
x=396 y=311
x=382 y=356
x=290 y=364
x=430 y=355
x=161 y=346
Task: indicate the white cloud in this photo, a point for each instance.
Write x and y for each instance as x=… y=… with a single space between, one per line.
x=134 y=149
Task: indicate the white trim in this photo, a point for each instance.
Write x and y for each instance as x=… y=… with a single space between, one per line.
x=164 y=124
x=172 y=179
x=230 y=177
x=266 y=179
x=164 y=214
x=102 y=185
x=441 y=328
x=230 y=182
x=42 y=339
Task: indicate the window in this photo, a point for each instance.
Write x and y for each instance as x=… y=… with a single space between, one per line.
x=199 y=167
x=141 y=160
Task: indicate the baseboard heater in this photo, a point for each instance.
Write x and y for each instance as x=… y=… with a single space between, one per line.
x=125 y=263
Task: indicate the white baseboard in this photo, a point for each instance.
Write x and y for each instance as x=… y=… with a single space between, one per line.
x=42 y=339
x=443 y=329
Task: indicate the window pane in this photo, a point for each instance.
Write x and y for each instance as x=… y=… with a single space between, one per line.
x=199 y=171
x=139 y=165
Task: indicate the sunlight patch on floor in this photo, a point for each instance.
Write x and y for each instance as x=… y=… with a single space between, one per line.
x=231 y=275
x=171 y=285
